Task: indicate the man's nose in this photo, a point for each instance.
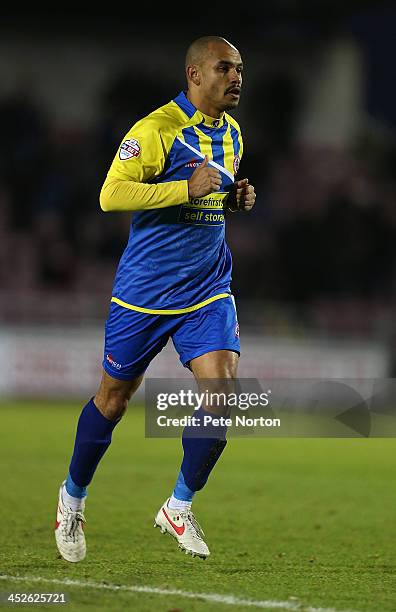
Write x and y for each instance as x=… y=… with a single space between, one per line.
x=236 y=77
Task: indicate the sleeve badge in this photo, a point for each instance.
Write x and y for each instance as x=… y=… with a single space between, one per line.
x=129 y=148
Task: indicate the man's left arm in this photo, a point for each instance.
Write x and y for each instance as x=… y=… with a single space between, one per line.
x=243 y=196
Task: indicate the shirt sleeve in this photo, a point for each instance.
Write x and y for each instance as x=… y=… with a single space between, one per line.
x=141 y=157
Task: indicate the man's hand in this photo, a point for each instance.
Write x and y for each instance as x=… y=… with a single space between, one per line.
x=204 y=180
x=244 y=196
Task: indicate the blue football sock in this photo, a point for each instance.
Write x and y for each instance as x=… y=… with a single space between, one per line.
x=93 y=438
x=182 y=491
x=200 y=456
x=73 y=489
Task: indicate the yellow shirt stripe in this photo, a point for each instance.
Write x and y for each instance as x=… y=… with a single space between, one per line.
x=205 y=143
x=228 y=147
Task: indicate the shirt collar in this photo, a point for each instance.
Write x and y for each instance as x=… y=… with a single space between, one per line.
x=184 y=103
x=212 y=121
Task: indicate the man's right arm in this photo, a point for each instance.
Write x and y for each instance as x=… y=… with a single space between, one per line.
x=123 y=195
x=130 y=183
x=130 y=186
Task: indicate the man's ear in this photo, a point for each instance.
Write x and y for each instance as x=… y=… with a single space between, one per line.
x=193 y=74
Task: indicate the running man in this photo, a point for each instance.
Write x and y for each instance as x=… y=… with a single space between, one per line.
x=175 y=169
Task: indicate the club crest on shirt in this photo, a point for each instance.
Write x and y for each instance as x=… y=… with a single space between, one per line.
x=237 y=160
x=129 y=148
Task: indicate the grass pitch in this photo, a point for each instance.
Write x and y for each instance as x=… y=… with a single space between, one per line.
x=306 y=522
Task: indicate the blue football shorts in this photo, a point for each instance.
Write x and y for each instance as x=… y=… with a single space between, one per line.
x=133 y=339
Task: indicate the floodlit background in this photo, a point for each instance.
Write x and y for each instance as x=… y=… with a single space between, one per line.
x=302 y=523
x=314 y=263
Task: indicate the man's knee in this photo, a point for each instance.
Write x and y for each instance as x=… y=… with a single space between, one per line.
x=112 y=406
x=216 y=375
x=113 y=395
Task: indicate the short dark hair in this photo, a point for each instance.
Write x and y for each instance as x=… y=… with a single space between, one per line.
x=197 y=50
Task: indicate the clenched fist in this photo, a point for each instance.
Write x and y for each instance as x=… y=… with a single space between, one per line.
x=244 y=196
x=204 y=180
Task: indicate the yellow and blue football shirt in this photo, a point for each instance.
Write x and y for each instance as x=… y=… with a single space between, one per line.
x=176 y=259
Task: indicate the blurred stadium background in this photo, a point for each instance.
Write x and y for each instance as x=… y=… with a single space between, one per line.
x=314 y=264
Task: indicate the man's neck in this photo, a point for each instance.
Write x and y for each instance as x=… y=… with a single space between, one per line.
x=203 y=106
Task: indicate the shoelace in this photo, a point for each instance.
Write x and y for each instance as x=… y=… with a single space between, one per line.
x=189 y=517
x=71 y=524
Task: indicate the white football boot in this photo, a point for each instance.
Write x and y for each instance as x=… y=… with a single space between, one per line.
x=183 y=526
x=69 y=531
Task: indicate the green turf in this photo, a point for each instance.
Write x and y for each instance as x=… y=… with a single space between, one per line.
x=312 y=519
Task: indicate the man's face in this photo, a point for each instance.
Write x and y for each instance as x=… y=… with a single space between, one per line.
x=221 y=76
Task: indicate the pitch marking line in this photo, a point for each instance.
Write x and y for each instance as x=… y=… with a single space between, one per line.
x=212 y=597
